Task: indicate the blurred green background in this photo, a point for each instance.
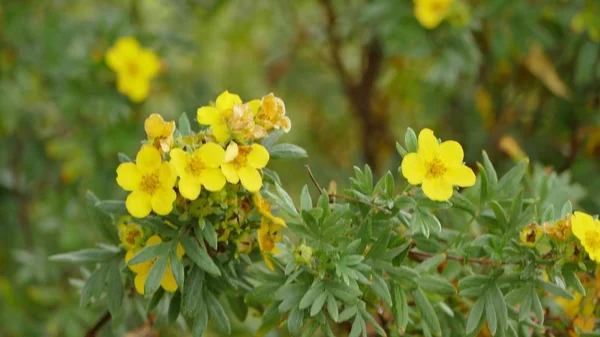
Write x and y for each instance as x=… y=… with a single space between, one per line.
x=494 y=75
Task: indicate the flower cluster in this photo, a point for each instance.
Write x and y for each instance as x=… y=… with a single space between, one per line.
x=135 y=67
x=211 y=177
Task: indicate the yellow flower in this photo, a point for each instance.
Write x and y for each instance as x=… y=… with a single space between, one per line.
x=431 y=12
x=530 y=234
x=199 y=168
x=264 y=209
x=269 y=234
x=160 y=133
x=229 y=117
x=129 y=232
x=272 y=114
x=142 y=269
x=135 y=67
x=561 y=230
x=437 y=167
x=242 y=163
x=587 y=230
x=150 y=181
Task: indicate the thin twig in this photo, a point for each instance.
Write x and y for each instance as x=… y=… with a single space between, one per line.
x=420 y=256
x=312 y=177
x=101 y=322
x=379 y=208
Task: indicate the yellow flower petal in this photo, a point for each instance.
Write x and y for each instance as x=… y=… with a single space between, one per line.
x=451 y=152
x=153 y=240
x=254 y=106
x=138 y=204
x=162 y=201
x=286 y=124
x=581 y=223
x=190 y=188
x=231 y=152
x=179 y=160
x=413 y=168
x=460 y=175
x=213 y=179
x=211 y=154
x=180 y=251
x=208 y=115
x=138 y=90
x=124 y=49
x=221 y=132
x=230 y=173
x=155 y=126
x=143 y=267
x=167 y=175
x=428 y=145
x=148 y=159
x=168 y=281
x=268 y=262
x=139 y=281
x=437 y=189
x=226 y=100
x=128 y=176
x=250 y=178
x=149 y=64
x=258 y=157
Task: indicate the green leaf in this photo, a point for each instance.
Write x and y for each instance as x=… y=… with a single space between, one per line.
x=112 y=206
x=548 y=215
x=238 y=307
x=431 y=263
x=200 y=321
x=311 y=295
x=174 y=307
x=305 y=199
x=567 y=209
x=217 y=314
x=475 y=315
x=192 y=292
x=490 y=313
x=555 y=289
x=437 y=284
x=410 y=140
x=287 y=151
x=343 y=292
x=572 y=280
x=461 y=202
x=295 y=322
x=380 y=287
x=499 y=213
x=492 y=176
x=101 y=220
x=515 y=210
x=176 y=268
x=499 y=306
x=511 y=180
x=123 y=158
x=367 y=316
x=199 y=256
x=537 y=306
x=156 y=274
x=400 y=308
x=148 y=253
x=318 y=303
x=428 y=314
x=586 y=61
x=356 y=329
x=158 y=225
x=115 y=291
x=153 y=303
x=285 y=202
x=184 y=125
x=485 y=190
x=348 y=313
x=210 y=234
x=271 y=176
x=94 y=285
x=401 y=150
x=272 y=138
x=332 y=308
x=85 y=255
x=404 y=202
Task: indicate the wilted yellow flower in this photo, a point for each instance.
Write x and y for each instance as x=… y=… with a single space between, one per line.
x=242 y=163
x=264 y=209
x=587 y=230
x=129 y=232
x=530 y=234
x=431 y=12
x=231 y=118
x=437 y=167
x=561 y=230
x=160 y=133
x=199 y=168
x=150 y=181
x=141 y=270
x=135 y=67
x=269 y=234
x=272 y=114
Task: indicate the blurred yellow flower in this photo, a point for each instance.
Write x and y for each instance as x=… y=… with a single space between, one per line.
x=141 y=270
x=160 y=133
x=431 y=12
x=150 y=181
x=437 y=167
x=129 y=232
x=264 y=209
x=587 y=230
x=242 y=163
x=269 y=234
x=229 y=117
x=135 y=67
x=530 y=234
x=199 y=168
x=272 y=114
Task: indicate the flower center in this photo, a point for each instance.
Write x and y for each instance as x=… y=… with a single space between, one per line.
x=592 y=240
x=436 y=168
x=195 y=166
x=150 y=183
x=132 y=235
x=241 y=160
x=132 y=68
x=436 y=7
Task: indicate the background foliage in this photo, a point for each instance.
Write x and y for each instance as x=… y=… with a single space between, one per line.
x=353 y=74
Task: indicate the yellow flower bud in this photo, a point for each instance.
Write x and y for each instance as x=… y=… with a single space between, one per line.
x=303 y=254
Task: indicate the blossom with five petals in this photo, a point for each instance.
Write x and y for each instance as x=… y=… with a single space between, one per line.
x=199 y=168
x=242 y=163
x=587 y=230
